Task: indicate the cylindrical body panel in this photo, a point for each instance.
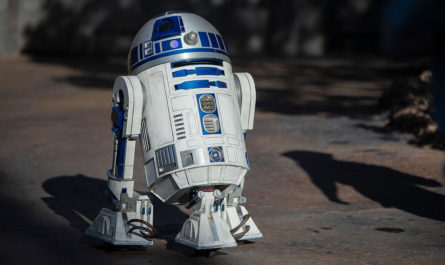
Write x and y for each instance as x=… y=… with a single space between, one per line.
x=190 y=136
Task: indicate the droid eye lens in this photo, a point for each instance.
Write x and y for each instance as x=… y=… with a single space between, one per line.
x=165 y=25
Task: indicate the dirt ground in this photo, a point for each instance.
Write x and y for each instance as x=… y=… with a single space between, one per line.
x=328 y=185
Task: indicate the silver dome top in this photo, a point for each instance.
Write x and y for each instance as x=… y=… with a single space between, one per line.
x=175 y=36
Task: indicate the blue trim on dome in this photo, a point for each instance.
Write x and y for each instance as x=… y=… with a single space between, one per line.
x=165 y=54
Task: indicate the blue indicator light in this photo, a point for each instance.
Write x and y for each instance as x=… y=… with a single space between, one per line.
x=143 y=210
x=216 y=207
x=174 y=44
x=149 y=210
x=222 y=207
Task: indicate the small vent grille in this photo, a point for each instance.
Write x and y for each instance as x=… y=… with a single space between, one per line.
x=166 y=158
x=144 y=137
x=179 y=125
x=211 y=124
x=207 y=103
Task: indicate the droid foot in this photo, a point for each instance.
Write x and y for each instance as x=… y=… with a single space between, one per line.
x=125 y=227
x=205 y=229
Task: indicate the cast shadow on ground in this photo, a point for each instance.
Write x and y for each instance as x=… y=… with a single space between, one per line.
x=76 y=197
x=386 y=186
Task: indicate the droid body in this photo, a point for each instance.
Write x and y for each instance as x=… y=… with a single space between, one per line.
x=190 y=114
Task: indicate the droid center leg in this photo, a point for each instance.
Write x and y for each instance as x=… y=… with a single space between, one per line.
x=206 y=229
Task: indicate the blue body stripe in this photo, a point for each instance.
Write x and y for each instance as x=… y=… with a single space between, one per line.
x=213 y=40
x=198 y=71
x=200 y=84
x=201 y=61
x=121 y=161
x=175 y=52
x=204 y=39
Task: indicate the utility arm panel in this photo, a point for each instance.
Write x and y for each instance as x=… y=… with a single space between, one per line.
x=245 y=90
x=126 y=119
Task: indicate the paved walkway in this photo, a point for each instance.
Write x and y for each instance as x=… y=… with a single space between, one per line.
x=328 y=184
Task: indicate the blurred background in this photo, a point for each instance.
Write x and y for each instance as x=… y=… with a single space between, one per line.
x=347 y=163
x=251 y=27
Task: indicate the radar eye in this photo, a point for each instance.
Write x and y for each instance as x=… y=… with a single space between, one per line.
x=165 y=25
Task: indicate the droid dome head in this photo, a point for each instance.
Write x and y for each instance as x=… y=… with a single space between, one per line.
x=172 y=37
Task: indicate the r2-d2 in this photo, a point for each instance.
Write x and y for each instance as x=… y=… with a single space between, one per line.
x=191 y=114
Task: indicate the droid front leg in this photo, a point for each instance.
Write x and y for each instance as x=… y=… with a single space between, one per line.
x=130 y=222
x=240 y=222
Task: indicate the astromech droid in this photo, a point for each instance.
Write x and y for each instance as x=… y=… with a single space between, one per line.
x=190 y=114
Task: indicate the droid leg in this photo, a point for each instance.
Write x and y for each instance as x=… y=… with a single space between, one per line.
x=238 y=219
x=206 y=229
x=131 y=220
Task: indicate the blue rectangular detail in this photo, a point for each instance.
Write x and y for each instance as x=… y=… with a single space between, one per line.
x=213 y=40
x=182 y=73
x=166 y=27
x=121 y=158
x=181 y=24
x=157 y=47
x=208 y=71
x=198 y=71
x=141 y=56
x=193 y=84
x=134 y=55
x=222 y=46
x=171 y=45
x=200 y=84
x=204 y=39
x=143 y=210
